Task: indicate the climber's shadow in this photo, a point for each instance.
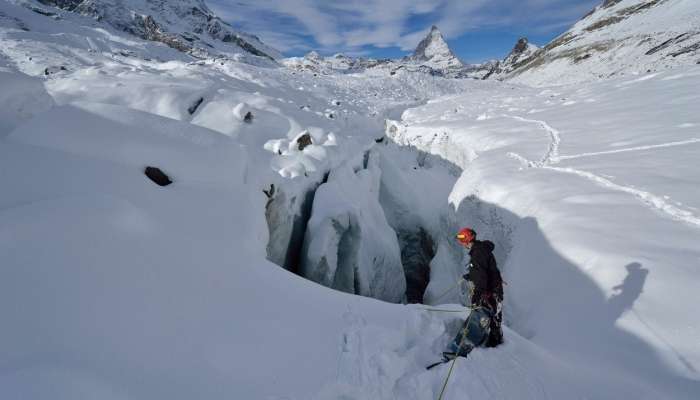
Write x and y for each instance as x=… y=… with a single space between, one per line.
x=628 y=291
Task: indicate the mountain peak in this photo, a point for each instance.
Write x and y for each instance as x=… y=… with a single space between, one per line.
x=431 y=44
x=434 y=50
x=520 y=46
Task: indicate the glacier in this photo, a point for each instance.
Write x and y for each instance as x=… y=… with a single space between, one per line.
x=113 y=287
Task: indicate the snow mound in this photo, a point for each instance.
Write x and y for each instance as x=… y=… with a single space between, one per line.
x=21 y=98
x=134 y=138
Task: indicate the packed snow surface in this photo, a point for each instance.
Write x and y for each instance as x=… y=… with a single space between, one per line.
x=112 y=287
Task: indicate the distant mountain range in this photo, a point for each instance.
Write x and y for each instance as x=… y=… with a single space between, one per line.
x=186 y=25
x=432 y=56
x=617 y=37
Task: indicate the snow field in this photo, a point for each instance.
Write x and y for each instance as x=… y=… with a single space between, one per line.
x=593 y=220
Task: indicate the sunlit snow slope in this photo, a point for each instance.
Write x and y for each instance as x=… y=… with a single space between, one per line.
x=617 y=38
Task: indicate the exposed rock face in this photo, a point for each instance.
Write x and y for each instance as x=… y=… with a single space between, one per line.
x=434 y=52
x=186 y=25
x=520 y=46
x=521 y=52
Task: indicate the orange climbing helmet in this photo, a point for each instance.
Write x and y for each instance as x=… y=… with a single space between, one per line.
x=466 y=235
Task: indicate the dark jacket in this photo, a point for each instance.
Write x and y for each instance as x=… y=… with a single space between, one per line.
x=484 y=272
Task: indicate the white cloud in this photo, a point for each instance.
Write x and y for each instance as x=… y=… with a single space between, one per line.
x=351 y=25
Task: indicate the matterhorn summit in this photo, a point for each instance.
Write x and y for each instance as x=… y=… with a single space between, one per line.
x=434 y=52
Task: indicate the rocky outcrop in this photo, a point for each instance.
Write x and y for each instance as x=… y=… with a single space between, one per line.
x=303 y=141
x=521 y=52
x=157 y=175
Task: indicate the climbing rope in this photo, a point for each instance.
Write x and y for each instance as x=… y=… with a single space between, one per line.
x=459 y=349
x=467 y=308
x=444 y=385
x=448 y=290
x=444 y=310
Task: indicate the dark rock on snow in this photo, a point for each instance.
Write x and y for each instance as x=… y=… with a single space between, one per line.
x=193 y=108
x=157 y=176
x=304 y=140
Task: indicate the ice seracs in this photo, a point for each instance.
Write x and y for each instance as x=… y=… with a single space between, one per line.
x=349 y=245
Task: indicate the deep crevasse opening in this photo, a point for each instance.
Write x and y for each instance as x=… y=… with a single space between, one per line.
x=380 y=225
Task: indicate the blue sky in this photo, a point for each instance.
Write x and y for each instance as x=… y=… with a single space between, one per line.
x=476 y=30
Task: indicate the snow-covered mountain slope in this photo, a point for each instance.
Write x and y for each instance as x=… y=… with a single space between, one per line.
x=186 y=25
x=522 y=50
x=619 y=37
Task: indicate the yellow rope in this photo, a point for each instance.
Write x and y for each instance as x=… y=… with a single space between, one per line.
x=442 y=310
x=444 y=385
x=459 y=349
